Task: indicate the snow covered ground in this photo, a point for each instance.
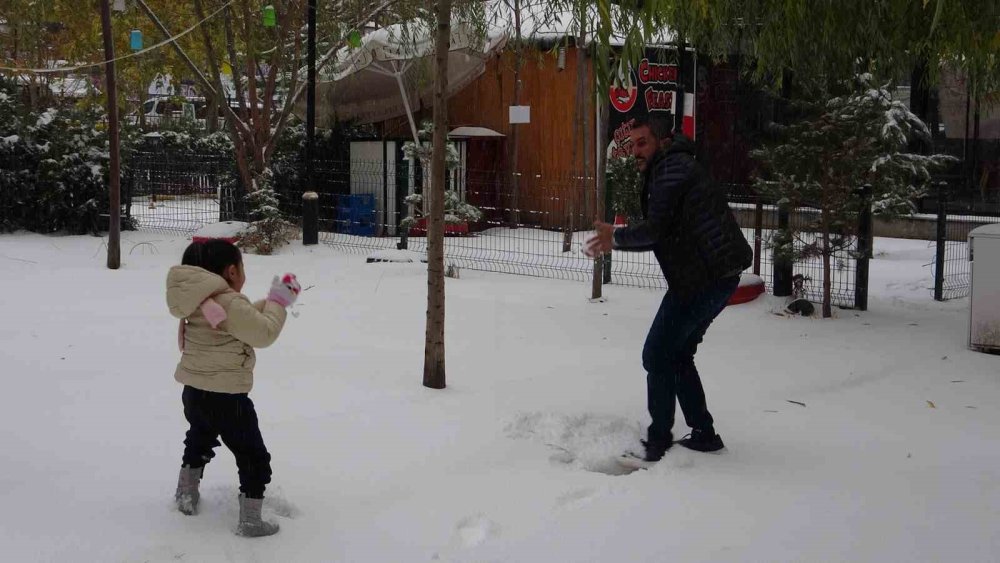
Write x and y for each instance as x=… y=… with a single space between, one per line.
x=893 y=457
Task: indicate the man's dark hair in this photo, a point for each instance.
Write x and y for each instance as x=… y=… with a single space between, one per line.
x=660 y=127
x=214 y=255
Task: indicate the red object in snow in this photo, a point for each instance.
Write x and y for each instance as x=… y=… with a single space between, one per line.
x=750 y=288
x=232 y=240
x=420 y=229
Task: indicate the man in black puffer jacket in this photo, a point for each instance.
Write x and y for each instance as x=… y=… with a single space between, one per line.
x=702 y=251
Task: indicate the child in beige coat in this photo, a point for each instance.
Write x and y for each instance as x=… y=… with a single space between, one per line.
x=219 y=329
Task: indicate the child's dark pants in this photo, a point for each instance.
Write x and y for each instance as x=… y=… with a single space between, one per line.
x=233 y=418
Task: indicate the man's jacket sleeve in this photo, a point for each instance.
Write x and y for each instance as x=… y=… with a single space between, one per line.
x=665 y=190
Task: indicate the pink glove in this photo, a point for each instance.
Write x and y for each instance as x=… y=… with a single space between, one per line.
x=284 y=291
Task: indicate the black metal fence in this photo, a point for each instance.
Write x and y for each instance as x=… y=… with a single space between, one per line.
x=537 y=229
x=180 y=193
x=763 y=220
x=957 y=211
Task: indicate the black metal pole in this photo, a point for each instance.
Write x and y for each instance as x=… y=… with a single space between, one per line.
x=865 y=242
x=758 y=232
x=782 y=261
x=942 y=238
x=310 y=94
x=609 y=214
x=114 y=184
x=310 y=218
x=384 y=227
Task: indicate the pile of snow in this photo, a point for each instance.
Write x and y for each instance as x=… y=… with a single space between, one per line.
x=224 y=229
x=389 y=255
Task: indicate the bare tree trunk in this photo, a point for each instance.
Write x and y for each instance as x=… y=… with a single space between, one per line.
x=515 y=178
x=141 y=96
x=585 y=119
x=578 y=135
x=600 y=176
x=242 y=136
x=227 y=20
x=827 y=286
x=434 y=372
x=114 y=195
x=569 y=199
x=212 y=114
x=212 y=109
x=975 y=170
x=586 y=123
x=965 y=140
x=33 y=98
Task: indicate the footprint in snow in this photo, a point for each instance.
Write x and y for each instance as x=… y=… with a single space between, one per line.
x=576 y=498
x=586 y=441
x=472 y=531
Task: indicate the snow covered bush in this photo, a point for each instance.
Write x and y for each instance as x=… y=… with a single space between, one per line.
x=822 y=161
x=53 y=168
x=455 y=210
x=268 y=229
x=624 y=186
x=217 y=144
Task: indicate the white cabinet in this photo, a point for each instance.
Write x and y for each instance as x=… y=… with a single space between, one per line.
x=984 y=317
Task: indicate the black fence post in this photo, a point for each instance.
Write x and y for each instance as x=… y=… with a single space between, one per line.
x=310 y=218
x=128 y=161
x=758 y=232
x=227 y=197
x=609 y=217
x=782 y=259
x=864 y=252
x=942 y=238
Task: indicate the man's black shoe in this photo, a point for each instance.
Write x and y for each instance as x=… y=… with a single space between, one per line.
x=702 y=441
x=654 y=449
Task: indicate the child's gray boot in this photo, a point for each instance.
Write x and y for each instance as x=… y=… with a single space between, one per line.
x=251 y=525
x=187 y=495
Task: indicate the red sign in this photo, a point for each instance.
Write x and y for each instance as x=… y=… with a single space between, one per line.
x=659 y=100
x=650 y=88
x=657 y=73
x=621 y=140
x=623 y=97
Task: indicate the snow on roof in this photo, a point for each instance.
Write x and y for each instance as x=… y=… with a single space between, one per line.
x=473 y=132
x=539 y=22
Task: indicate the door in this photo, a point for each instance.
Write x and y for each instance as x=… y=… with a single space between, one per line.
x=373 y=171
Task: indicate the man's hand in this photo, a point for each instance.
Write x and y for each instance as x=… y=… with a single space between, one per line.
x=601 y=241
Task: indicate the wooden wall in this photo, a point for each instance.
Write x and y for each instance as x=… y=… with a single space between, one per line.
x=548 y=186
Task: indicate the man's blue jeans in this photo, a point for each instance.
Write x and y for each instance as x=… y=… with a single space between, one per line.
x=668 y=357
